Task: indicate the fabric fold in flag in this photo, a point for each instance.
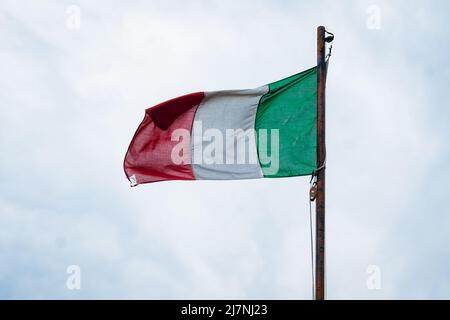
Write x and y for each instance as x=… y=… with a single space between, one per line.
x=266 y=132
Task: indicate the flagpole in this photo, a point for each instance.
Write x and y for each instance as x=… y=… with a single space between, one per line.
x=320 y=197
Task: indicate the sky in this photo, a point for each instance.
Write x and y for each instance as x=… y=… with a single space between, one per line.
x=75 y=79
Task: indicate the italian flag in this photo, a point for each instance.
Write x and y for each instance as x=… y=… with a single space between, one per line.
x=267 y=132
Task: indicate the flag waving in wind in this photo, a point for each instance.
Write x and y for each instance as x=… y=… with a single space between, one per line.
x=267 y=132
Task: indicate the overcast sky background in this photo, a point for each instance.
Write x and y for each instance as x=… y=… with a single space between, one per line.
x=71 y=99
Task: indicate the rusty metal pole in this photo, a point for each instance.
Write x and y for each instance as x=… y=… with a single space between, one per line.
x=320 y=198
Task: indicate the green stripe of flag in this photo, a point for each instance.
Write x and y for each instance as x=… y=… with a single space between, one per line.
x=290 y=106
